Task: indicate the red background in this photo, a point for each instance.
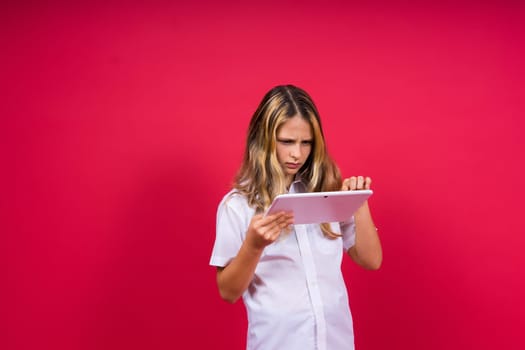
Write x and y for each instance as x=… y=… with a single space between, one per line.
x=122 y=126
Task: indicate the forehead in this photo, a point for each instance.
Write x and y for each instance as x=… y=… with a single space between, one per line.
x=295 y=126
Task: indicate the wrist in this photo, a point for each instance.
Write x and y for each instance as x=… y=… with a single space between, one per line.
x=252 y=248
x=362 y=211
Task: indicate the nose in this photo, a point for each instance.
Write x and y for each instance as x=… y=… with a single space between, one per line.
x=295 y=151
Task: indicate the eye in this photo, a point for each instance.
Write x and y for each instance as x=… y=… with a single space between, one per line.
x=286 y=142
x=307 y=143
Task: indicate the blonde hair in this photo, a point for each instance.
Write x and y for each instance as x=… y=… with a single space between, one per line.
x=261 y=177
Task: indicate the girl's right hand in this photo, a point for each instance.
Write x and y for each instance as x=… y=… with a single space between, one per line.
x=265 y=230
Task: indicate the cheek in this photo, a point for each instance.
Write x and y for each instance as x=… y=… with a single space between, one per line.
x=280 y=154
x=307 y=152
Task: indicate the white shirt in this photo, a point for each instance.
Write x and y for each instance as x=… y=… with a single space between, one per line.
x=297 y=298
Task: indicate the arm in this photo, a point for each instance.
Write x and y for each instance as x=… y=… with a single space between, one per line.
x=234 y=278
x=367 y=251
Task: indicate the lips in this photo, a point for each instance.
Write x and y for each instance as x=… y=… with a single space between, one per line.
x=293 y=165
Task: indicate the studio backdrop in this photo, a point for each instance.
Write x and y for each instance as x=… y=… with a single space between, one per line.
x=123 y=124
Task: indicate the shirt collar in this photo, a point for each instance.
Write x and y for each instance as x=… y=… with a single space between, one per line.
x=297 y=185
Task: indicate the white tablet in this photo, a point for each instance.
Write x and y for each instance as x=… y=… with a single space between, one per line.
x=318 y=207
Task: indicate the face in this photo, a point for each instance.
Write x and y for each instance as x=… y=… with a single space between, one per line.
x=294 y=144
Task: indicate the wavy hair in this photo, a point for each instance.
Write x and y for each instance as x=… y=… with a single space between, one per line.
x=261 y=177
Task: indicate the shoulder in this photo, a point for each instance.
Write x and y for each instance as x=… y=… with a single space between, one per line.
x=236 y=202
x=234 y=210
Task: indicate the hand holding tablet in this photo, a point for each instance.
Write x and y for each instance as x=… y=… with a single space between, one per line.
x=319 y=207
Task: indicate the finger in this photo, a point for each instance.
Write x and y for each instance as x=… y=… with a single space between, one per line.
x=288 y=229
x=257 y=217
x=353 y=183
x=276 y=217
x=275 y=228
x=368 y=182
x=360 y=182
x=270 y=228
x=259 y=224
x=281 y=217
x=267 y=220
x=346 y=185
x=271 y=233
x=278 y=223
x=288 y=218
x=256 y=220
x=275 y=233
x=282 y=223
x=266 y=229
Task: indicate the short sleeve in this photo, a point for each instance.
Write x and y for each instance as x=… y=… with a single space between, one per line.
x=230 y=231
x=348 y=232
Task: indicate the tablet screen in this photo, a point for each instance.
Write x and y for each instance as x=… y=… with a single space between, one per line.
x=319 y=207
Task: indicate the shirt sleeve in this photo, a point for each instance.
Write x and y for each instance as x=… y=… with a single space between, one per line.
x=230 y=233
x=348 y=232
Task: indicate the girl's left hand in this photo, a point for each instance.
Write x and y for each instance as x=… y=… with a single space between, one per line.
x=356 y=183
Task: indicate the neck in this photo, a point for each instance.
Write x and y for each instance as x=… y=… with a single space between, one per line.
x=289 y=180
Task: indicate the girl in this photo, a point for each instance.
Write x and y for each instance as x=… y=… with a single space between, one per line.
x=290 y=276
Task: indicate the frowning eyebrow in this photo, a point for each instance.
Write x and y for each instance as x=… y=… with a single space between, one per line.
x=282 y=139
x=287 y=139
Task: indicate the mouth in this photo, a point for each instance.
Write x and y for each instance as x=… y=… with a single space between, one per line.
x=293 y=165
